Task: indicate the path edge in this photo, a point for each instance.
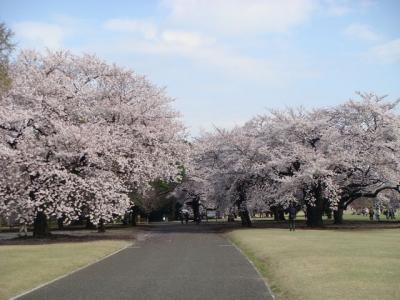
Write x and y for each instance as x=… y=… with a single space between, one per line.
x=71 y=272
x=254 y=267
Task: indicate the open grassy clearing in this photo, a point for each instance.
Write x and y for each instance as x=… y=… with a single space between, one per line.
x=325 y=264
x=25 y=266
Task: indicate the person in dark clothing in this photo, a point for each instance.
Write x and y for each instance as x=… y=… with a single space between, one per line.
x=292 y=217
x=371 y=213
x=186 y=217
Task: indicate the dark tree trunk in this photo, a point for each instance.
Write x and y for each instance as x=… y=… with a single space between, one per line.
x=134 y=218
x=314 y=216
x=101 y=227
x=276 y=215
x=315 y=213
x=173 y=210
x=40 y=226
x=245 y=217
x=242 y=206
x=89 y=224
x=196 y=209
x=338 y=216
x=60 y=223
x=244 y=214
x=134 y=214
x=279 y=214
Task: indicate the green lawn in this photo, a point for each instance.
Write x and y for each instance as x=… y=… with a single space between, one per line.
x=348 y=216
x=23 y=267
x=325 y=264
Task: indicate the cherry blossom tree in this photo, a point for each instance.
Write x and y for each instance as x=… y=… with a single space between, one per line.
x=365 y=137
x=222 y=162
x=77 y=134
x=321 y=159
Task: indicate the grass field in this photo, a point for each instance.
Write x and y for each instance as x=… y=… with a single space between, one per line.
x=23 y=267
x=325 y=264
x=348 y=216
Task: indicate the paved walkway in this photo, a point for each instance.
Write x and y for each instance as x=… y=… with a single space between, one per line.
x=174 y=262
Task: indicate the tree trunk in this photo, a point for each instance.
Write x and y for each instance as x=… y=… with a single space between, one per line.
x=134 y=218
x=314 y=216
x=242 y=204
x=89 y=224
x=329 y=214
x=276 y=215
x=245 y=217
x=101 y=227
x=196 y=209
x=173 y=210
x=40 y=226
x=244 y=213
x=279 y=214
x=134 y=214
x=338 y=216
x=60 y=223
x=315 y=213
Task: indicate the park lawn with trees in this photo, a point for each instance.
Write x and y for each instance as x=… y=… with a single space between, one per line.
x=325 y=264
x=320 y=160
x=17 y=267
x=82 y=140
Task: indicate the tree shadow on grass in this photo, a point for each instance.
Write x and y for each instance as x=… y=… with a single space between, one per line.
x=131 y=233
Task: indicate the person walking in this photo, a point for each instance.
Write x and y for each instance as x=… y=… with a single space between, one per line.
x=392 y=213
x=23 y=229
x=377 y=214
x=371 y=214
x=292 y=217
x=186 y=217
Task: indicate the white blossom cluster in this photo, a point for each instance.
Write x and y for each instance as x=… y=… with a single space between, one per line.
x=327 y=157
x=77 y=134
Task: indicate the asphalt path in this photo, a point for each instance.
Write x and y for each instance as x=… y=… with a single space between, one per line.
x=169 y=262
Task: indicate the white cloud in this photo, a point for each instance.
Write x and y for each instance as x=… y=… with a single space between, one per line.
x=39 y=35
x=362 y=32
x=240 y=17
x=386 y=53
x=199 y=48
x=186 y=39
x=203 y=52
x=146 y=28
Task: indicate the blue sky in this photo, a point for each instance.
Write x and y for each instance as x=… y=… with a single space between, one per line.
x=226 y=61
